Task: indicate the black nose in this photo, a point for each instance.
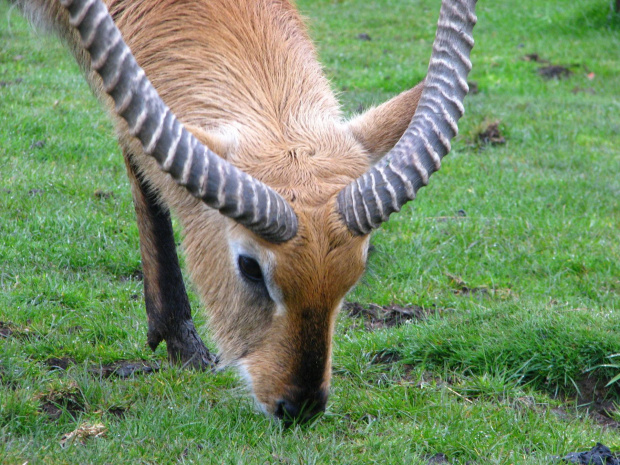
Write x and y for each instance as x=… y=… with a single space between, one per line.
x=301 y=410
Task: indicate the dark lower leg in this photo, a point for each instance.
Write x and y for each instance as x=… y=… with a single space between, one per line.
x=167 y=305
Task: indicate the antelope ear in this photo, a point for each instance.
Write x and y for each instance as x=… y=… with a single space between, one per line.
x=379 y=128
x=224 y=141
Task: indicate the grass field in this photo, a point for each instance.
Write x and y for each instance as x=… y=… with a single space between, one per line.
x=512 y=254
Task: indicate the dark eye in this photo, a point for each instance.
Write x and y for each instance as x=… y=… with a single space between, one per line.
x=250 y=269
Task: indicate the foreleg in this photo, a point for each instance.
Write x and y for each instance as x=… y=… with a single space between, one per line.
x=167 y=305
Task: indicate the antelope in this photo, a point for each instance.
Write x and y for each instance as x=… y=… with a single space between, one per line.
x=227 y=121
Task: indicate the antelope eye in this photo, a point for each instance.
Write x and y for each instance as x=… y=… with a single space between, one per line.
x=250 y=269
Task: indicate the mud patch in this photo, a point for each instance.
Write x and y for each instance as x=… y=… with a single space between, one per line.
x=554 y=72
x=464 y=289
x=125 y=369
x=364 y=36
x=387 y=316
x=11 y=330
x=62 y=363
x=594 y=400
x=550 y=71
x=438 y=459
x=63 y=399
x=103 y=195
x=386 y=357
x=6 y=329
x=598 y=455
x=491 y=134
x=117 y=411
x=535 y=57
x=598 y=401
x=121 y=369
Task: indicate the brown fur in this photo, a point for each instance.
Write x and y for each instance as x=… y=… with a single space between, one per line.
x=378 y=139
x=243 y=75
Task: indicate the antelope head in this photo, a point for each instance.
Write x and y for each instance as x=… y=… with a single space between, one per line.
x=291 y=257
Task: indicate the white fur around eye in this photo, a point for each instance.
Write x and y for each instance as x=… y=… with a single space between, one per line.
x=267 y=262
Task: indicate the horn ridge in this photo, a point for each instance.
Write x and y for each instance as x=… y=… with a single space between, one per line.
x=407 y=167
x=202 y=172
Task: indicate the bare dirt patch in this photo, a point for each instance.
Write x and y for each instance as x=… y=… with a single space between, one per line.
x=117 y=411
x=464 y=289
x=11 y=330
x=62 y=363
x=386 y=357
x=6 y=329
x=554 y=72
x=386 y=316
x=437 y=459
x=550 y=71
x=599 y=401
x=125 y=369
x=491 y=134
x=57 y=400
x=120 y=369
x=595 y=400
x=535 y=57
x=103 y=195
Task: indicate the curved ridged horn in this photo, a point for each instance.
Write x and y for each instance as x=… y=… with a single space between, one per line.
x=206 y=175
x=384 y=189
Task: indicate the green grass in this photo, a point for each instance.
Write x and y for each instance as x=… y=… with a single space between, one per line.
x=492 y=377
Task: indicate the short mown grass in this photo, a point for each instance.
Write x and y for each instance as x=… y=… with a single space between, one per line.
x=513 y=249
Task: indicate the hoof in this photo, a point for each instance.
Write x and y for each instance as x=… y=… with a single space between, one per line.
x=185 y=348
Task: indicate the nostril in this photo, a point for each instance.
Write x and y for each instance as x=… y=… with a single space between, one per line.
x=291 y=412
x=287 y=411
